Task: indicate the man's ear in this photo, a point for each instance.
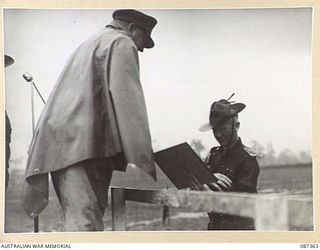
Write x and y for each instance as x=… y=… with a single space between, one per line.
x=237 y=125
x=131 y=27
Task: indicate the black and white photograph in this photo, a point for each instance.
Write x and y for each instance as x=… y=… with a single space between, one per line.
x=158 y=119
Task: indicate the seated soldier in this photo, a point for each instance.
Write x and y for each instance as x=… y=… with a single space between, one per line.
x=233 y=164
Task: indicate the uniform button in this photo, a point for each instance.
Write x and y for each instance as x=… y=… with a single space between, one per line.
x=31 y=215
x=36 y=170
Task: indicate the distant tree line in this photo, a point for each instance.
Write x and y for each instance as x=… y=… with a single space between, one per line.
x=266 y=154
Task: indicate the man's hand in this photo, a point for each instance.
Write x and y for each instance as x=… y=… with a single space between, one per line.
x=223 y=181
x=213 y=187
x=222 y=184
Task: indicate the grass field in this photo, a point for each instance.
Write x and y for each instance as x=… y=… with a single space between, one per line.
x=286 y=180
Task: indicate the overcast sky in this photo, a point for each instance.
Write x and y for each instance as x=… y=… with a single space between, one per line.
x=200 y=56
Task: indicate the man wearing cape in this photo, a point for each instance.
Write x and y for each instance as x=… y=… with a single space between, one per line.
x=95 y=121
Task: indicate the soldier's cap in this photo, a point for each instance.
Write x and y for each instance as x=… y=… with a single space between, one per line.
x=8 y=60
x=220 y=112
x=145 y=22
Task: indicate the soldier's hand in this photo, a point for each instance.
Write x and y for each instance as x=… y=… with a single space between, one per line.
x=223 y=181
x=212 y=187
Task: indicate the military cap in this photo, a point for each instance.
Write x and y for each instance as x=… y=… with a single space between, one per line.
x=8 y=60
x=220 y=112
x=142 y=20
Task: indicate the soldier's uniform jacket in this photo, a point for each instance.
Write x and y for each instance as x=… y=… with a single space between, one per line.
x=240 y=164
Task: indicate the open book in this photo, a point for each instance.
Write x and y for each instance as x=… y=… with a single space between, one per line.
x=184 y=167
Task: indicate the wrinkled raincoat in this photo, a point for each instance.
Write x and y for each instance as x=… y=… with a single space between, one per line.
x=96 y=109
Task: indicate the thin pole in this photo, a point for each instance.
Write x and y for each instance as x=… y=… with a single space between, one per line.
x=32 y=108
x=36 y=219
x=36 y=224
x=38 y=92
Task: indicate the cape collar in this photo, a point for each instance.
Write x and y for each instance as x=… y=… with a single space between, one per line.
x=120 y=25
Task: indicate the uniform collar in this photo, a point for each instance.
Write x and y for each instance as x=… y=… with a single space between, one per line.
x=233 y=148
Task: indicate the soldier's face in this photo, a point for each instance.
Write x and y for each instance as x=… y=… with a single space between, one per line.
x=226 y=133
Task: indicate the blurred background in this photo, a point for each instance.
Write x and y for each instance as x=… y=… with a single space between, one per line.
x=201 y=56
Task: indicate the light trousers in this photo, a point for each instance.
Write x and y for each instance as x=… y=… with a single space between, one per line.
x=82 y=190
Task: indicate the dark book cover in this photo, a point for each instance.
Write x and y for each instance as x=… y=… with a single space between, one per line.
x=183 y=167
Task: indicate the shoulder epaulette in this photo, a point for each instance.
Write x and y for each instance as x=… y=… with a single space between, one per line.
x=250 y=151
x=211 y=152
